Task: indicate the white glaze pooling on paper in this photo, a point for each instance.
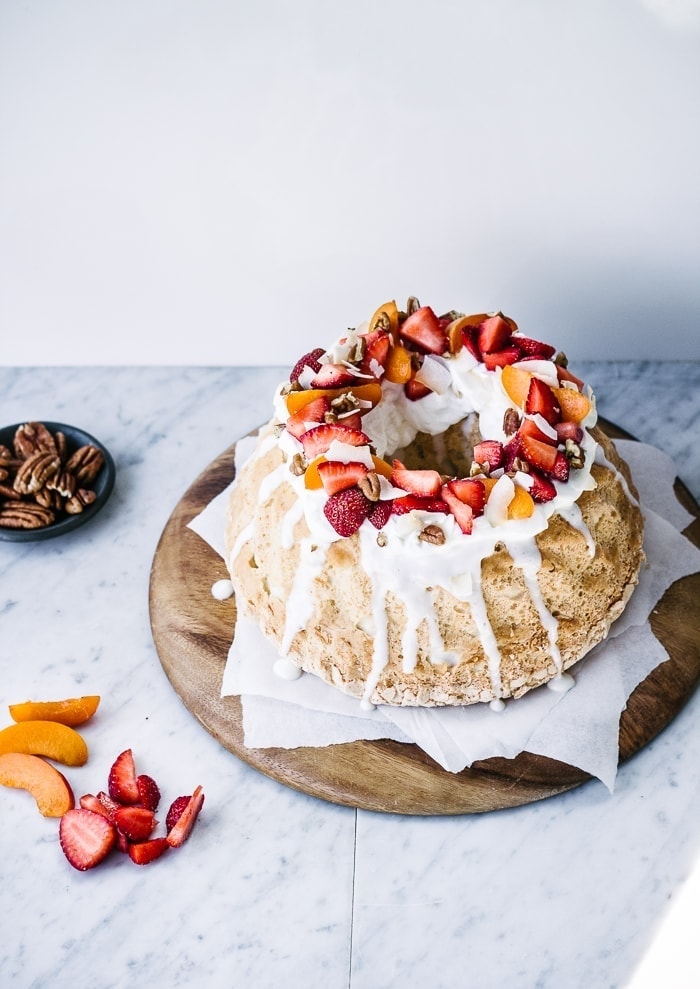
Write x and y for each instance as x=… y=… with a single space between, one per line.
x=456 y=564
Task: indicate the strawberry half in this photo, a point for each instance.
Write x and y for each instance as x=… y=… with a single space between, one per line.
x=542 y=488
x=489 y=452
x=86 y=837
x=347 y=510
x=499 y=358
x=533 y=348
x=379 y=513
x=175 y=811
x=317 y=439
x=470 y=492
x=181 y=830
x=411 y=503
x=333 y=376
x=310 y=360
x=494 y=334
x=539 y=454
x=298 y=423
x=136 y=823
x=144 y=852
x=377 y=344
x=463 y=513
x=336 y=476
x=541 y=399
x=422 y=328
x=422 y=483
x=470 y=338
x=149 y=793
x=90 y=802
x=122 y=783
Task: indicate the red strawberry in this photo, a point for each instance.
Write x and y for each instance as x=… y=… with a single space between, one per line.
x=512 y=451
x=180 y=831
x=86 y=837
x=494 y=334
x=136 y=823
x=149 y=794
x=422 y=329
x=379 y=513
x=122 y=783
x=333 y=376
x=542 y=488
x=560 y=471
x=401 y=506
x=463 y=514
x=314 y=411
x=317 y=439
x=175 y=811
x=423 y=483
x=539 y=454
x=308 y=360
x=530 y=428
x=499 y=358
x=469 y=491
x=377 y=345
x=90 y=802
x=111 y=806
x=569 y=431
x=541 y=398
x=143 y=852
x=564 y=374
x=352 y=421
x=414 y=390
x=470 y=336
x=533 y=348
x=347 y=510
x=337 y=476
x=489 y=452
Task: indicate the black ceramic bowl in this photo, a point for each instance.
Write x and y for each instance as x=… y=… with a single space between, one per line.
x=102 y=486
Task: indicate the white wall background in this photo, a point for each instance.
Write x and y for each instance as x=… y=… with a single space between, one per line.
x=235 y=181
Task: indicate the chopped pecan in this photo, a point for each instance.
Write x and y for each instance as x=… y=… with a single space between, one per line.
x=36 y=471
x=31 y=438
x=85 y=464
x=297 y=465
x=25 y=515
x=80 y=500
x=432 y=534
x=511 y=421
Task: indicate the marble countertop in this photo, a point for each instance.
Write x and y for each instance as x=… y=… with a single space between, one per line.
x=275 y=887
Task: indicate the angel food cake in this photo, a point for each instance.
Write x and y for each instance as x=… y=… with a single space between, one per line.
x=432 y=516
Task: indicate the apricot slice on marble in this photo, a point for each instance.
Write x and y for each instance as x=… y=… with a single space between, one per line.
x=47 y=738
x=72 y=712
x=50 y=789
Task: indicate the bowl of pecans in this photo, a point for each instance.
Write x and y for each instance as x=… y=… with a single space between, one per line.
x=53 y=478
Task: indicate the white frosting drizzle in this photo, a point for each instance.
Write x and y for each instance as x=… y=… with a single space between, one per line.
x=603 y=461
x=455 y=564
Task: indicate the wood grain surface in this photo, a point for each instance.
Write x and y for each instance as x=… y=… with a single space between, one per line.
x=192 y=633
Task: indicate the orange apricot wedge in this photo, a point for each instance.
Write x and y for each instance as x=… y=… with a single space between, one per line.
x=574 y=406
x=73 y=711
x=398 y=367
x=386 y=318
x=516 y=383
x=50 y=789
x=521 y=504
x=47 y=738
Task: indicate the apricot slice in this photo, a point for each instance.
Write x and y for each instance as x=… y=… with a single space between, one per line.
x=516 y=383
x=47 y=738
x=521 y=505
x=386 y=318
x=399 y=367
x=49 y=788
x=312 y=476
x=72 y=712
x=296 y=400
x=574 y=406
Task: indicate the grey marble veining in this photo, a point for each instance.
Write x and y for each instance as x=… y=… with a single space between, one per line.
x=276 y=888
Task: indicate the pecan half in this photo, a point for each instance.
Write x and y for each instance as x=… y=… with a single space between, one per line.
x=25 y=515
x=63 y=482
x=80 y=500
x=85 y=464
x=36 y=471
x=432 y=534
x=31 y=438
x=369 y=486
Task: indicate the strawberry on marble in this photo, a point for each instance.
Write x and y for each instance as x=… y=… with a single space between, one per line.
x=86 y=837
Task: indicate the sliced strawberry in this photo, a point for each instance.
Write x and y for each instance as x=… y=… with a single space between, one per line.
x=542 y=488
x=560 y=471
x=401 y=506
x=489 y=452
x=377 y=344
x=333 y=376
x=90 y=802
x=315 y=411
x=149 y=792
x=337 y=476
x=530 y=428
x=541 y=398
x=347 y=510
x=564 y=374
x=569 y=431
x=175 y=811
x=122 y=783
x=470 y=337
x=86 y=837
x=463 y=513
x=379 y=513
x=308 y=360
x=422 y=329
x=499 y=358
x=512 y=451
x=317 y=439
x=143 y=852
x=539 y=454
x=181 y=830
x=533 y=348
x=494 y=334
x=422 y=483
x=469 y=491
x=111 y=806
x=136 y=823
x=414 y=390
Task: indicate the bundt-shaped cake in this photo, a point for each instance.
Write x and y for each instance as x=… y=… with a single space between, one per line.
x=432 y=516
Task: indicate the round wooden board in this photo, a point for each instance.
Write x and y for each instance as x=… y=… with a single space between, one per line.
x=192 y=632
